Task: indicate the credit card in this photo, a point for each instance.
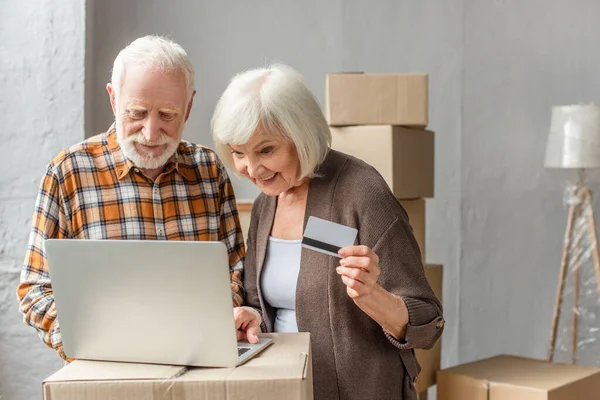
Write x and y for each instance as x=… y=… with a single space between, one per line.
x=327 y=237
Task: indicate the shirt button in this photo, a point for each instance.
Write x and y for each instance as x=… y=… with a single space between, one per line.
x=136 y=170
x=160 y=231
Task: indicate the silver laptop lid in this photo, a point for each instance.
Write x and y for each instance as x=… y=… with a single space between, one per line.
x=164 y=302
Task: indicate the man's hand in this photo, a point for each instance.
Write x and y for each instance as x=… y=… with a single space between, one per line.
x=247 y=323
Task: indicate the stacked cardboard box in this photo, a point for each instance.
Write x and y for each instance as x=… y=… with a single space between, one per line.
x=382 y=119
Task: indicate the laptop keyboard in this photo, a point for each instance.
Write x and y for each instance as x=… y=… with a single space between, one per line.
x=242 y=350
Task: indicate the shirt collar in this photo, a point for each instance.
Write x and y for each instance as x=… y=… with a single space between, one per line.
x=123 y=164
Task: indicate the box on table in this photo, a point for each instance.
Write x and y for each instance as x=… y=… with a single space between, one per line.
x=416 y=216
x=283 y=370
x=403 y=156
x=244 y=208
x=376 y=99
x=430 y=359
x=516 y=378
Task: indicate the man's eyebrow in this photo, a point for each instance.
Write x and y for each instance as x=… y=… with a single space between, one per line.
x=133 y=107
x=175 y=110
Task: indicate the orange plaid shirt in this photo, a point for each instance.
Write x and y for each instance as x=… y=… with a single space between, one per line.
x=92 y=191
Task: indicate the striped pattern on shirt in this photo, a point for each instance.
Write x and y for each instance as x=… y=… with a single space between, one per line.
x=92 y=191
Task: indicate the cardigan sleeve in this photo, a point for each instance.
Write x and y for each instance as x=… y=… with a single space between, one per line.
x=403 y=274
x=365 y=201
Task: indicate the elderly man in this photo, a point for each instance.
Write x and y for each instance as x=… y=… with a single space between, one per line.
x=138 y=180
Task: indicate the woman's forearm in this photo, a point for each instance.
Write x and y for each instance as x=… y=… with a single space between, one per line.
x=387 y=309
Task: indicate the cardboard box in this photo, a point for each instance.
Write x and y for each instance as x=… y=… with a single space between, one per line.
x=516 y=378
x=416 y=215
x=284 y=370
x=376 y=99
x=403 y=156
x=245 y=212
x=430 y=359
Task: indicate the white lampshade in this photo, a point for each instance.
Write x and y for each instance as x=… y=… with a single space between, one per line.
x=574 y=137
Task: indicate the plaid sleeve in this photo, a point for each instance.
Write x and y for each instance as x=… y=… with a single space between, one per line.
x=230 y=232
x=34 y=292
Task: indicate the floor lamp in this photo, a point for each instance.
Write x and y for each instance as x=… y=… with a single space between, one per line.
x=574 y=143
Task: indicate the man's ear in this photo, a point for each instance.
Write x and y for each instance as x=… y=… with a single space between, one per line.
x=189 y=107
x=111 y=95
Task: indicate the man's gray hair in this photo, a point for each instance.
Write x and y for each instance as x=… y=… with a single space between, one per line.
x=156 y=52
x=277 y=98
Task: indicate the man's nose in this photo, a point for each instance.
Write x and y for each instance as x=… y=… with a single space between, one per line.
x=151 y=130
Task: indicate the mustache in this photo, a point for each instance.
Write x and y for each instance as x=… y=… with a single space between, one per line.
x=139 y=137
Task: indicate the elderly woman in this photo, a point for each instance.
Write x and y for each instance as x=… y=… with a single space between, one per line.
x=367 y=310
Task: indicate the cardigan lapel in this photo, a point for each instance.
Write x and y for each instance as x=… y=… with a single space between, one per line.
x=316 y=278
x=265 y=224
x=312 y=289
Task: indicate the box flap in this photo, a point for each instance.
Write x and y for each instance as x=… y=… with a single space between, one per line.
x=80 y=370
x=285 y=359
x=525 y=372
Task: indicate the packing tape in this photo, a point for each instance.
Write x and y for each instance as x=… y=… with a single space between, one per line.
x=163 y=388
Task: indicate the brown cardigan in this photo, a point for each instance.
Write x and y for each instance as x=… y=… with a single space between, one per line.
x=352 y=356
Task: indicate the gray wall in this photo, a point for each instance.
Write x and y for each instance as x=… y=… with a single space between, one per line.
x=520 y=58
x=41 y=110
x=496 y=68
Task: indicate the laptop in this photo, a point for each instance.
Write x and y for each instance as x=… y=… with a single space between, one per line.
x=146 y=301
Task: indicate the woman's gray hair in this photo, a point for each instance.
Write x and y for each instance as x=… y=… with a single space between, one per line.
x=156 y=52
x=277 y=98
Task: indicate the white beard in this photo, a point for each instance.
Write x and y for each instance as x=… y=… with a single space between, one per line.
x=146 y=161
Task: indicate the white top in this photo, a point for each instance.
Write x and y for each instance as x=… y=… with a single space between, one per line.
x=279 y=279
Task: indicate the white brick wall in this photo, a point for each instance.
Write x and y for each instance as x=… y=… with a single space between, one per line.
x=42 y=48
